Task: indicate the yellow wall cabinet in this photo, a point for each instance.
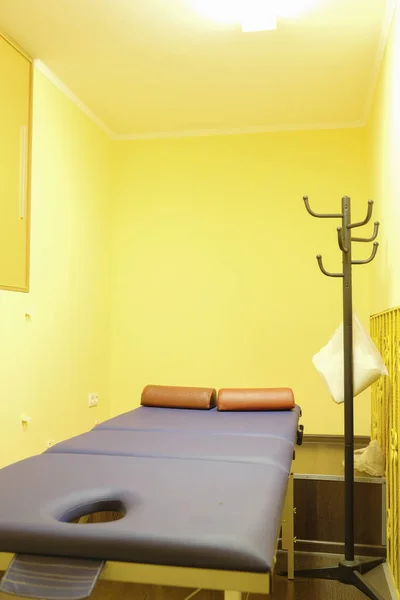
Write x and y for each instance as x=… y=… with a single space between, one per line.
x=15 y=145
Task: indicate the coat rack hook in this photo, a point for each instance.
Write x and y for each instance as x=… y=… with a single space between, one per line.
x=370 y=239
x=368 y=260
x=314 y=214
x=367 y=218
x=340 y=239
x=325 y=272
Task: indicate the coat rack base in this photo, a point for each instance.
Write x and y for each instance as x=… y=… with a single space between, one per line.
x=347 y=572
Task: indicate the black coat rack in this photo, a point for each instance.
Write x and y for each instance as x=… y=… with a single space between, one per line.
x=349 y=570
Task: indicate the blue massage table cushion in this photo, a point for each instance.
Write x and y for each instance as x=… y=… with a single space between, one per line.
x=209 y=514
x=198 y=489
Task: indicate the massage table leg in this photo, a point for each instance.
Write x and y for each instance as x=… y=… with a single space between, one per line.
x=288 y=527
x=231 y=595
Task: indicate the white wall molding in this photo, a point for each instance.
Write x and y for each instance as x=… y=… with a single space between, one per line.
x=238 y=130
x=41 y=67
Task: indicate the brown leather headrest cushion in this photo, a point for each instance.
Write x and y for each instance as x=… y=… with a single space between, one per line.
x=178 y=397
x=256 y=399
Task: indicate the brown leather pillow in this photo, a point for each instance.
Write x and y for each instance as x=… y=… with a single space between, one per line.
x=256 y=399
x=178 y=397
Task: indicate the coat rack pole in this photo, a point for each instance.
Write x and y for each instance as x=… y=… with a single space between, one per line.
x=350 y=570
x=348 y=381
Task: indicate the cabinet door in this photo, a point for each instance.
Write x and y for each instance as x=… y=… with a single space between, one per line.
x=15 y=99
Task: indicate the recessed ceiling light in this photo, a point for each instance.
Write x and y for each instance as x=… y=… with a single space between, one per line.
x=258 y=15
x=293 y=9
x=251 y=15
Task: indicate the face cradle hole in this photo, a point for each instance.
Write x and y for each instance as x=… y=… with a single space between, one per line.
x=103 y=511
x=101 y=516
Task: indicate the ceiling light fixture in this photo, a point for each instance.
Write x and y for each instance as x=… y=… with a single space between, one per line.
x=294 y=9
x=258 y=15
x=251 y=15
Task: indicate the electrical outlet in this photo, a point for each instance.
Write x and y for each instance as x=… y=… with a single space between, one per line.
x=50 y=443
x=93 y=399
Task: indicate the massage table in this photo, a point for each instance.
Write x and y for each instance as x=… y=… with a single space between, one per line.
x=203 y=494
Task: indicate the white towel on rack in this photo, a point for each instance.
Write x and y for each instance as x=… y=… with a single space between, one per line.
x=368 y=364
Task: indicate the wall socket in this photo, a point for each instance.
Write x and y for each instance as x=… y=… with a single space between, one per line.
x=93 y=399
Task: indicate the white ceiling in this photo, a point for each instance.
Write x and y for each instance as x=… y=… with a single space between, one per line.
x=154 y=67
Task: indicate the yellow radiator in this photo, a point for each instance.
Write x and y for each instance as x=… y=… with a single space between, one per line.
x=385 y=331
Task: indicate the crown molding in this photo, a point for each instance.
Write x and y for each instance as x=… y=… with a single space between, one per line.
x=50 y=76
x=238 y=130
x=387 y=20
x=15 y=45
x=46 y=72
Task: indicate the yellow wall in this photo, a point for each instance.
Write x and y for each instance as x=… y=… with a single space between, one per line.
x=214 y=277
x=49 y=364
x=384 y=144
